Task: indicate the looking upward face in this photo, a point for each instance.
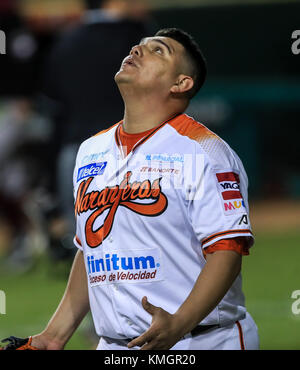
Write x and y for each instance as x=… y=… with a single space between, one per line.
x=153 y=65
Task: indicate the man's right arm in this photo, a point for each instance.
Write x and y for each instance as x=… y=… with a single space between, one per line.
x=72 y=309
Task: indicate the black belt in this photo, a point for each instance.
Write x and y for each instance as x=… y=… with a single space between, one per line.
x=201 y=329
x=196 y=331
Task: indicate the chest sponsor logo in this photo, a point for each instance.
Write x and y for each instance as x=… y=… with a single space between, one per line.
x=93 y=169
x=124 y=267
x=127 y=195
x=94 y=157
x=160 y=170
x=229 y=188
x=165 y=157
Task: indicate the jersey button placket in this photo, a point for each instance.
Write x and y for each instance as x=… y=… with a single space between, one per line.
x=114 y=285
x=129 y=322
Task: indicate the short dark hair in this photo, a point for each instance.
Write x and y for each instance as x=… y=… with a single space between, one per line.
x=194 y=55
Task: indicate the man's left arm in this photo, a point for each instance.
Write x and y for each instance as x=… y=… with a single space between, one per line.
x=215 y=279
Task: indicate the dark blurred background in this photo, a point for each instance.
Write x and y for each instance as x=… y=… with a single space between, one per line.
x=47 y=86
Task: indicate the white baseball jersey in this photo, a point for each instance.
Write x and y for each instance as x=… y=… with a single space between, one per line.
x=144 y=220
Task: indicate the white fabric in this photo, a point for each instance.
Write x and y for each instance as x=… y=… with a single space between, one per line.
x=154 y=251
x=225 y=338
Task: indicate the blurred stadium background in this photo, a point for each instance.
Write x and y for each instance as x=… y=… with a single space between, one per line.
x=251 y=99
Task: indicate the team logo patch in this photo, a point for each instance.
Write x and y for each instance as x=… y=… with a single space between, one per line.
x=229 y=188
x=93 y=169
x=129 y=194
x=135 y=266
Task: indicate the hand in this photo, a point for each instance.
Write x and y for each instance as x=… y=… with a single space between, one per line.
x=45 y=342
x=165 y=330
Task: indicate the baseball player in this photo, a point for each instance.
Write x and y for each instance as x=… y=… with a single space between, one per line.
x=162 y=219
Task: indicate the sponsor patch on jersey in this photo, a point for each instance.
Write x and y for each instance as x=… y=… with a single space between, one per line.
x=94 y=157
x=165 y=157
x=234 y=206
x=229 y=188
x=135 y=266
x=93 y=169
x=159 y=170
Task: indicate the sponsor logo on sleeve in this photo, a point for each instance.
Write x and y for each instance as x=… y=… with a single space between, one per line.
x=244 y=220
x=93 y=169
x=135 y=266
x=229 y=188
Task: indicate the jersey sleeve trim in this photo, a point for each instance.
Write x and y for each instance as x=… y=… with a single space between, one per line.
x=77 y=242
x=227 y=234
x=237 y=244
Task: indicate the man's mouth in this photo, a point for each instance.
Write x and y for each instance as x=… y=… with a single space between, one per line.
x=130 y=61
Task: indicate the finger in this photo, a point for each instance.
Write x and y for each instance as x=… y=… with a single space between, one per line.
x=149 y=346
x=150 y=308
x=141 y=340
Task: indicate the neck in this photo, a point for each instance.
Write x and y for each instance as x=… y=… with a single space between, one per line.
x=144 y=113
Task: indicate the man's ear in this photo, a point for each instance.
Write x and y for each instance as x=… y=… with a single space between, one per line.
x=183 y=83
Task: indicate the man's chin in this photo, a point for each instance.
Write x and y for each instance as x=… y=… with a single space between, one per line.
x=122 y=77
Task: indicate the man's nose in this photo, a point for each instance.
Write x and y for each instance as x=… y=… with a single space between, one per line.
x=137 y=50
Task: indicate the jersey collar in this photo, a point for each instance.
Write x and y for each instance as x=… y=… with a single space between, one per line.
x=145 y=138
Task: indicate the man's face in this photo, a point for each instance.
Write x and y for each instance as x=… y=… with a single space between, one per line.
x=153 y=65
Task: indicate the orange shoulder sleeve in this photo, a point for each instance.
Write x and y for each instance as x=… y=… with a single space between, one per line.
x=238 y=245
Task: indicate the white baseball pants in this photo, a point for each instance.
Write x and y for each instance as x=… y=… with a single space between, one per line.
x=243 y=335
